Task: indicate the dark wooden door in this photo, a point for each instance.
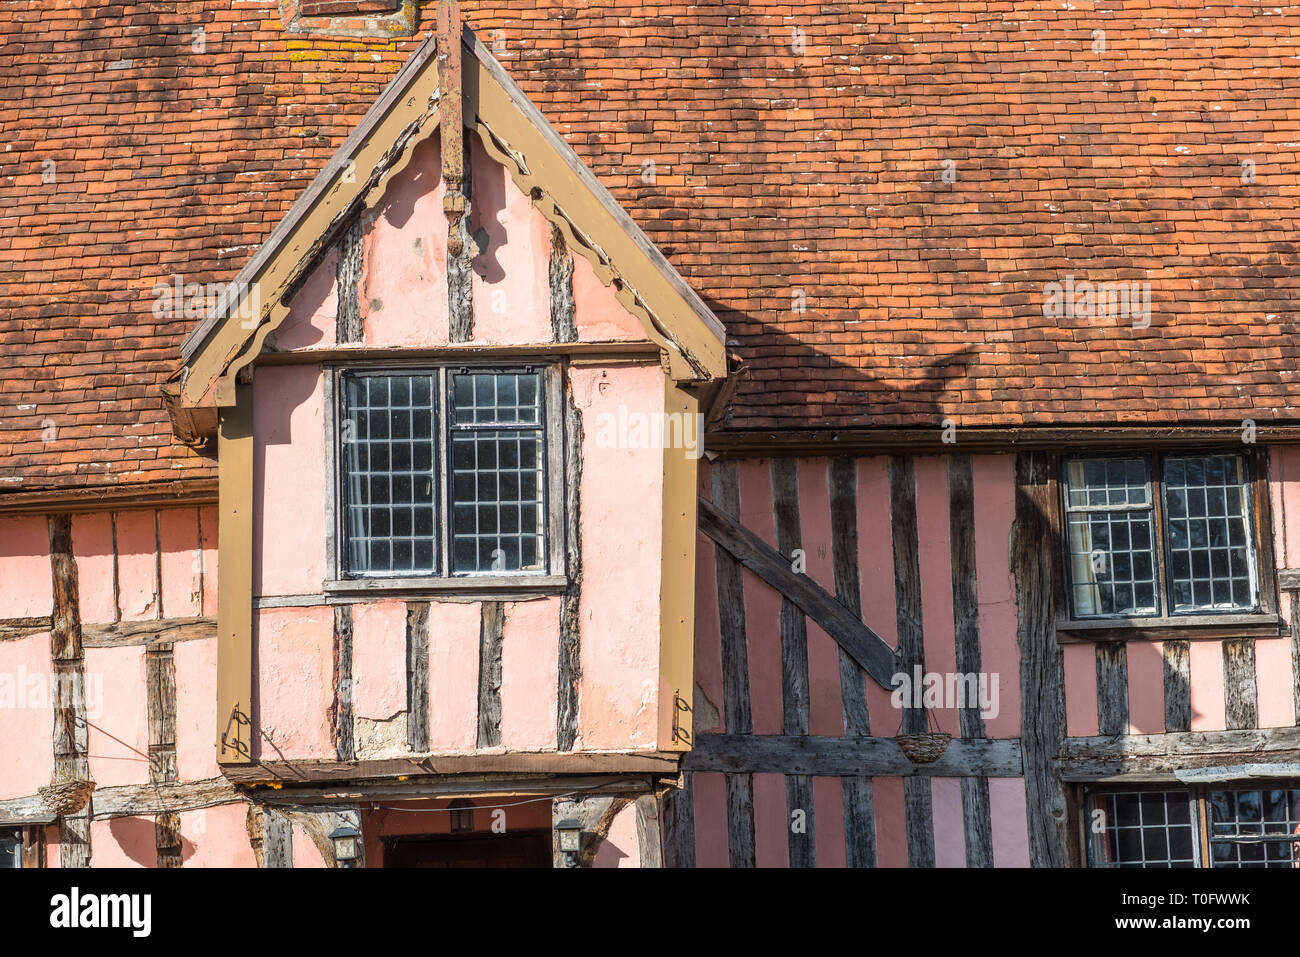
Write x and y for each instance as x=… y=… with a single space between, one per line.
x=527 y=849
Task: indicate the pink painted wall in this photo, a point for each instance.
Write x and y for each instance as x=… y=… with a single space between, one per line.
x=1081 y=718
x=454 y=630
x=293 y=669
x=1007 y=808
x=403 y=286
x=511 y=285
x=709 y=806
x=825 y=702
x=379 y=659
x=92 y=547
x=530 y=650
x=196 y=709
x=620 y=847
x=289 y=481
x=124 y=842
x=26 y=588
x=216 y=837
x=993 y=477
x=26 y=715
x=621 y=551
x=116 y=709
x=762 y=602
x=949 y=829
x=313 y=314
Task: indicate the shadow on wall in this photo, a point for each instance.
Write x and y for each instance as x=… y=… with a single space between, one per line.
x=137 y=839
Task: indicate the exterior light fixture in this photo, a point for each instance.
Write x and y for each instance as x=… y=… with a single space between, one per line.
x=345 y=845
x=569 y=833
x=462 y=816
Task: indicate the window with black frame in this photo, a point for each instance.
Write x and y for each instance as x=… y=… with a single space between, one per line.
x=1160 y=535
x=444 y=473
x=1221 y=826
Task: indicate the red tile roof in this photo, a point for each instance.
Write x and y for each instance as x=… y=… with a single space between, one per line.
x=798 y=154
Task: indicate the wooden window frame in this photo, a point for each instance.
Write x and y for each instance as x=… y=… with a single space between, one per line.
x=553 y=579
x=1261 y=621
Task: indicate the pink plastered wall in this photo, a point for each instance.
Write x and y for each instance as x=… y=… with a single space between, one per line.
x=402 y=291
x=26 y=715
x=26 y=586
x=289 y=480
x=293 y=669
x=196 y=709
x=117 y=712
x=379 y=659
x=621 y=515
x=620 y=847
x=530 y=649
x=454 y=630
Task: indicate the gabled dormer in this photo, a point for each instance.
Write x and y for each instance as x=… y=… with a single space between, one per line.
x=458 y=397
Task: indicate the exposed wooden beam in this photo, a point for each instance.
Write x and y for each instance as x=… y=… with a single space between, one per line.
x=844 y=628
x=98 y=498
x=1035 y=568
x=517 y=762
x=130 y=800
x=875 y=756
x=750 y=443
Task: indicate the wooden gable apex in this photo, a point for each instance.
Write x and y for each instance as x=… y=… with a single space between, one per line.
x=542 y=164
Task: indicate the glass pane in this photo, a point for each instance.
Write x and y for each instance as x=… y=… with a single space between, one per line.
x=1143 y=829
x=1112 y=551
x=498 y=477
x=1255 y=828
x=388 y=464
x=1209 y=551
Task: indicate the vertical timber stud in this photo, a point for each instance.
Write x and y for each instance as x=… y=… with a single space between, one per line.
x=1241 y=702
x=794 y=664
x=455 y=173
x=235 y=584
x=349 y=327
x=1112 y=688
x=1035 y=565
x=911 y=646
x=677 y=569
x=977 y=821
x=71 y=757
x=678 y=816
x=859 y=803
x=563 y=322
x=341 y=724
x=491 y=630
x=417 y=676
x=1178 y=686
x=735 y=669
x=160 y=687
x=569 y=665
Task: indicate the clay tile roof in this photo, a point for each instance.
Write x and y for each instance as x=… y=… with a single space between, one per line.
x=789 y=159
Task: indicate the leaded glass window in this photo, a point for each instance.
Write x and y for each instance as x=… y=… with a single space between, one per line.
x=1142 y=542
x=444 y=473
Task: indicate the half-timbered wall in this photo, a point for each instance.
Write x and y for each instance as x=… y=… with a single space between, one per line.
x=953 y=561
x=380 y=676
x=917 y=547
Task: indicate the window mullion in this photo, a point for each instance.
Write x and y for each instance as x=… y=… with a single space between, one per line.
x=442 y=528
x=1162 y=539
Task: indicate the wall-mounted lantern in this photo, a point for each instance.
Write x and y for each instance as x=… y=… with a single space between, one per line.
x=569 y=833
x=345 y=845
x=462 y=816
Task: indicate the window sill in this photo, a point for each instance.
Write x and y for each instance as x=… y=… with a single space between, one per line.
x=1242 y=625
x=476 y=587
